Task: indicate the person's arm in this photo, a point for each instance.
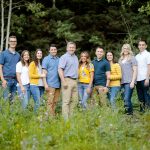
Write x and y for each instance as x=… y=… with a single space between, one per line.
x=18 y=74
x=108 y=78
x=146 y=83
x=134 y=76
x=44 y=79
x=4 y=82
x=61 y=75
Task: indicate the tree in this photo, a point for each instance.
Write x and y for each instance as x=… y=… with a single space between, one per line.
x=2 y=25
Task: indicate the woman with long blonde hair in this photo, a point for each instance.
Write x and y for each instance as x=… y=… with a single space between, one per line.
x=86 y=73
x=128 y=65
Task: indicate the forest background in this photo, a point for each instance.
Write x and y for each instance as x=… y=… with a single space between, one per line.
x=109 y=23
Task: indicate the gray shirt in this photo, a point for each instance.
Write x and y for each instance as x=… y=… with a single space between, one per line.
x=69 y=63
x=127 y=70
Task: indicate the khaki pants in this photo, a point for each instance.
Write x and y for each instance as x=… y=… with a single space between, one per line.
x=69 y=97
x=99 y=95
x=53 y=96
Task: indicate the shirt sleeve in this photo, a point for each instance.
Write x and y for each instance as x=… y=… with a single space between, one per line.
x=91 y=67
x=44 y=64
x=148 y=59
x=107 y=66
x=133 y=61
x=62 y=62
x=19 y=67
x=2 y=60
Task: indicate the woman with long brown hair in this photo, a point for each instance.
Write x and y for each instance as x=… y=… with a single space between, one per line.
x=36 y=78
x=86 y=73
x=22 y=72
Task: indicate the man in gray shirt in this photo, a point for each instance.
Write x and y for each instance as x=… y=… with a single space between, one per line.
x=68 y=72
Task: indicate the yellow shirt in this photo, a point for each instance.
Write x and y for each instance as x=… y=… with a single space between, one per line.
x=33 y=73
x=115 y=75
x=84 y=73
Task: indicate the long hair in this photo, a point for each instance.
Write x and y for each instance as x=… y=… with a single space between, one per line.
x=22 y=55
x=88 y=59
x=129 y=51
x=114 y=59
x=35 y=57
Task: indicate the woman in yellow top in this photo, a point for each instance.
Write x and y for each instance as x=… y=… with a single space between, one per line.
x=86 y=73
x=36 y=78
x=115 y=77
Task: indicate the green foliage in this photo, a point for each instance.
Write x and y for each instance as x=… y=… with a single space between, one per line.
x=96 y=128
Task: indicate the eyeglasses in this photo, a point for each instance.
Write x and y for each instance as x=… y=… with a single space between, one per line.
x=12 y=41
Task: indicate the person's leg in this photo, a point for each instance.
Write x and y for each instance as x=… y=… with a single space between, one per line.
x=13 y=90
x=74 y=96
x=127 y=98
x=56 y=98
x=6 y=91
x=80 y=91
x=35 y=91
x=140 y=93
x=66 y=97
x=113 y=94
x=50 y=99
x=85 y=96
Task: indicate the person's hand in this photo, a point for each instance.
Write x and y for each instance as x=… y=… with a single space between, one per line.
x=46 y=87
x=105 y=89
x=64 y=84
x=132 y=85
x=23 y=90
x=88 y=90
x=42 y=75
x=4 y=83
x=146 y=83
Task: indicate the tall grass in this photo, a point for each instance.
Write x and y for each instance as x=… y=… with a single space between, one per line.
x=94 y=129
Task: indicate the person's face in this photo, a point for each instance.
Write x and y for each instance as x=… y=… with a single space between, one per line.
x=99 y=53
x=109 y=56
x=83 y=58
x=12 y=42
x=53 y=51
x=39 y=55
x=142 y=46
x=71 y=48
x=26 y=56
x=125 y=50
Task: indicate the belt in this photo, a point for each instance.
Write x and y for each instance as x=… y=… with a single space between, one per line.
x=9 y=77
x=71 y=78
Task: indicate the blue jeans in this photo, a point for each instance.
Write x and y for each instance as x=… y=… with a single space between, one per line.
x=37 y=92
x=143 y=94
x=113 y=91
x=127 y=94
x=10 y=91
x=83 y=95
x=24 y=97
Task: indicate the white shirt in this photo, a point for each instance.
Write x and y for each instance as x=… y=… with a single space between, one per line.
x=143 y=59
x=24 y=73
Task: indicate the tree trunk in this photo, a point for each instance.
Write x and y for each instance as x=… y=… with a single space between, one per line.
x=2 y=25
x=54 y=2
x=8 y=23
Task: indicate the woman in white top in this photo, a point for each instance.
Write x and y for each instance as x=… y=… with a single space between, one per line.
x=22 y=72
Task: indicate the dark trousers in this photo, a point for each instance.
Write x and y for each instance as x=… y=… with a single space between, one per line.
x=143 y=94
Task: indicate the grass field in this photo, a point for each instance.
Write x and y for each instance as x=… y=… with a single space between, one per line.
x=98 y=128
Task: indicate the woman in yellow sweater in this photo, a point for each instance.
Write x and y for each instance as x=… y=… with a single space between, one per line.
x=115 y=77
x=36 y=78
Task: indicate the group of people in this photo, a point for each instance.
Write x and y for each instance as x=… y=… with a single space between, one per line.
x=75 y=79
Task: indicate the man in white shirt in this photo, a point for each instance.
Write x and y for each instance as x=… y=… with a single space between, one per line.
x=143 y=60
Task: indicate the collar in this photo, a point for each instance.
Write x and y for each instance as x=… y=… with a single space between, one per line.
x=11 y=52
x=53 y=57
x=70 y=54
x=143 y=51
x=99 y=59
